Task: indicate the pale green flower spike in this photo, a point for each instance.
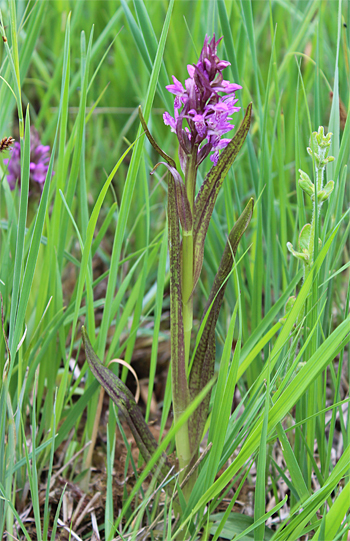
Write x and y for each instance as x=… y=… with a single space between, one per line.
x=320 y=144
x=318 y=150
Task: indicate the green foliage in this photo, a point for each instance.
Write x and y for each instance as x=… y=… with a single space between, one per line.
x=82 y=95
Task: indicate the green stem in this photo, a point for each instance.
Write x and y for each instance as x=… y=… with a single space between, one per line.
x=314 y=233
x=183 y=449
x=187 y=258
x=317 y=208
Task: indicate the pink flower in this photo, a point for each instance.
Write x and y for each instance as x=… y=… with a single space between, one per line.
x=200 y=103
x=39 y=163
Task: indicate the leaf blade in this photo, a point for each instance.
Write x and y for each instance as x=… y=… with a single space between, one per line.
x=207 y=195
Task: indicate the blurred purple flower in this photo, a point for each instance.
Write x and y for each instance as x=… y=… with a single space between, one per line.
x=206 y=111
x=39 y=163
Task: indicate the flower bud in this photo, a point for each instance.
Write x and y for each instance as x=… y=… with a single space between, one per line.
x=306 y=184
x=327 y=160
x=326 y=192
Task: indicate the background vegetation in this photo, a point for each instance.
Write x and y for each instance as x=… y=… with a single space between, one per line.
x=93 y=250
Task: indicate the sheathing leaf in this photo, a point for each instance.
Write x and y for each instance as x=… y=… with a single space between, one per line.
x=207 y=195
x=182 y=203
x=204 y=360
x=178 y=207
x=178 y=367
x=125 y=401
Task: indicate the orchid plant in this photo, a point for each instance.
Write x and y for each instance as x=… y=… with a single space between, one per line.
x=203 y=110
x=318 y=150
x=318 y=193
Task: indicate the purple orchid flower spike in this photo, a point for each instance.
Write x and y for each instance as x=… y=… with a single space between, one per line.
x=202 y=105
x=39 y=163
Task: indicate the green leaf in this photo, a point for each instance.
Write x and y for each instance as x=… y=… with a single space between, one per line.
x=33 y=253
x=18 y=267
x=125 y=401
x=260 y=488
x=89 y=236
x=306 y=184
x=178 y=368
x=304 y=238
x=336 y=514
x=203 y=365
x=153 y=142
x=182 y=202
x=207 y=195
x=303 y=257
x=129 y=185
x=234 y=525
x=326 y=192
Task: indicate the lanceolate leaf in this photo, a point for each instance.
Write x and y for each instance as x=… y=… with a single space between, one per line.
x=125 y=401
x=182 y=203
x=218 y=172
x=153 y=142
x=204 y=360
x=206 y=198
x=178 y=368
x=230 y=250
x=203 y=370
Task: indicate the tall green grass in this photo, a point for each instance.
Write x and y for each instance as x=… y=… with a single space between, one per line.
x=79 y=77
